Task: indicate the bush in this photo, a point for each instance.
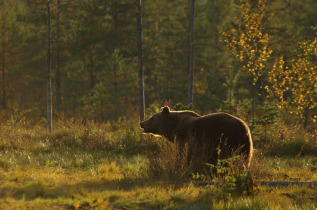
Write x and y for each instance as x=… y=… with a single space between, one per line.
x=232 y=177
x=283 y=140
x=179 y=106
x=169 y=163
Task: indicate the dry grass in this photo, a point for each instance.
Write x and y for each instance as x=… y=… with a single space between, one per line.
x=169 y=163
x=84 y=164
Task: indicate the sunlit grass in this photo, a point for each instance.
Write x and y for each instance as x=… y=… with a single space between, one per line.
x=113 y=165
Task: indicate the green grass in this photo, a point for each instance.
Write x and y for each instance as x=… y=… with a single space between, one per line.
x=113 y=165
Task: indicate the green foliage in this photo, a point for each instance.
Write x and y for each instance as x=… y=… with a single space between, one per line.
x=232 y=177
x=244 y=107
x=290 y=142
x=269 y=116
x=97 y=53
x=230 y=84
x=180 y=106
x=152 y=109
x=117 y=77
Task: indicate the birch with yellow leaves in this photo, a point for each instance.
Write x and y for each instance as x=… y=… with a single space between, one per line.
x=298 y=80
x=249 y=43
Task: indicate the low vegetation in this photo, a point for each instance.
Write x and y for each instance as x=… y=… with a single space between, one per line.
x=84 y=164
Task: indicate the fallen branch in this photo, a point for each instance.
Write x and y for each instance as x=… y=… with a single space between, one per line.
x=285 y=184
x=265 y=183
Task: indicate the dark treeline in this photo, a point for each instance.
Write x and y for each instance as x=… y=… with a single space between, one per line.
x=94 y=53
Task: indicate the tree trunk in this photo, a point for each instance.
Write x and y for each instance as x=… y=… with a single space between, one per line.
x=140 y=61
x=58 y=74
x=306 y=116
x=92 y=77
x=252 y=108
x=155 y=86
x=114 y=14
x=4 y=100
x=115 y=65
x=216 y=38
x=115 y=79
x=191 y=53
x=75 y=98
x=49 y=88
x=116 y=95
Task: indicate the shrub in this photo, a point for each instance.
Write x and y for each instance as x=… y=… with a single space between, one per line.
x=232 y=177
x=169 y=163
x=283 y=140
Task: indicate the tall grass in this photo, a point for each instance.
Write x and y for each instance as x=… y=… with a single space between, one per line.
x=169 y=163
x=85 y=164
x=289 y=141
x=71 y=144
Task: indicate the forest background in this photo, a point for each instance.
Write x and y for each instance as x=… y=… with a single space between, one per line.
x=94 y=56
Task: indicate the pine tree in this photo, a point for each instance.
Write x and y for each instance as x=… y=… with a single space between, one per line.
x=49 y=86
x=140 y=61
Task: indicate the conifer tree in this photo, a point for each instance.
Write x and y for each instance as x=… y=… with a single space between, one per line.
x=49 y=86
x=140 y=61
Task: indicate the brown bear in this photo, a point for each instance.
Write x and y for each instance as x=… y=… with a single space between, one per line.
x=216 y=136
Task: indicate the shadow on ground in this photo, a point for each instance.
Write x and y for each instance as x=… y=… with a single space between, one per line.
x=34 y=191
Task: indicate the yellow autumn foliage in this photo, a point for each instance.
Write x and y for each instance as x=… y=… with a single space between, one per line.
x=299 y=79
x=249 y=44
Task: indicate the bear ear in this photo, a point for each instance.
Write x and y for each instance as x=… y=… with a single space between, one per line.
x=165 y=110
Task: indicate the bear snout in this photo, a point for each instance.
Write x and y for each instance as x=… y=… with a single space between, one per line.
x=144 y=127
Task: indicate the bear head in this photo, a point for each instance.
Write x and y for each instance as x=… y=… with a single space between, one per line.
x=157 y=123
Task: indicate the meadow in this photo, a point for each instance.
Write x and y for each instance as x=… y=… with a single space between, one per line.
x=83 y=164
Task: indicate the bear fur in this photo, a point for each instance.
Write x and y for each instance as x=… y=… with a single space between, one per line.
x=215 y=136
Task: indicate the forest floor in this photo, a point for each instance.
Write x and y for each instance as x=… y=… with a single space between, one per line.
x=84 y=165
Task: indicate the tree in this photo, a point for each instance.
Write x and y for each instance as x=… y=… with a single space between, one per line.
x=166 y=50
x=58 y=60
x=48 y=77
x=4 y=38
x=95 y=56
x=270 y=115
x=140 y=61
x=10 y=35
x=231 y=83
x=191 y=53
x=249 y=43
x=3 y=63
x=296 y=85
x=212 y=56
